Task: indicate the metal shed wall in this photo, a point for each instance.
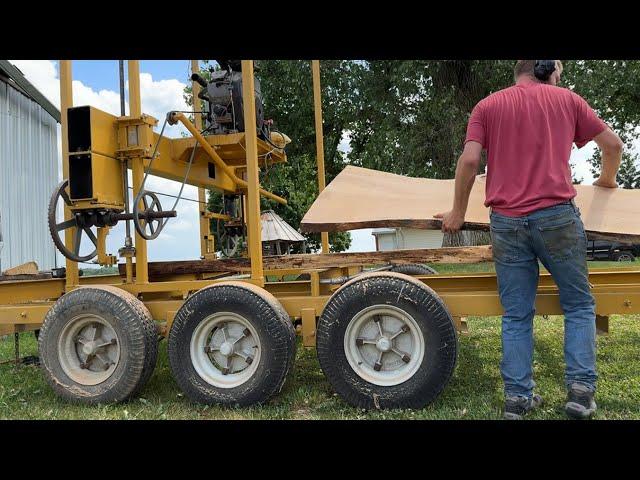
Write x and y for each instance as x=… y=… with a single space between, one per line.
x=28 y=175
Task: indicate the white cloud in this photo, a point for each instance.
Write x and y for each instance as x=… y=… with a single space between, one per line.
x=180 y=239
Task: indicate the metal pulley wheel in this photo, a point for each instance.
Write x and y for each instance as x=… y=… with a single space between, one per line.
x=151 y=224
x=76 y=222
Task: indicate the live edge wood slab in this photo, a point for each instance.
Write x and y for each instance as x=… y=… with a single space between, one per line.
x=320 y=261
x=365 y=198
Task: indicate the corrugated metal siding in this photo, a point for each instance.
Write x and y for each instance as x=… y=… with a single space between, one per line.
x=414 y=238
x=28 y=175
x=409 y=238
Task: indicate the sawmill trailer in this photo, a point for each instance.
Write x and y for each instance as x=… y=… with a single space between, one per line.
x=385 y=326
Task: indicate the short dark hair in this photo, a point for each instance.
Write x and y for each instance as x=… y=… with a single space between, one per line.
x=525 y=67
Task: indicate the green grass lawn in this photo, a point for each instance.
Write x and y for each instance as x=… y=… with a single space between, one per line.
x=475 y=391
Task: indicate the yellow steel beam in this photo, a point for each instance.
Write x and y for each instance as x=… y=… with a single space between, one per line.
x=253 y=188
x=32 y=314
x=135 y=110
x=66 y=101
x=220 y=163
x=317 y=108
x=206 y=236
x=26 y=302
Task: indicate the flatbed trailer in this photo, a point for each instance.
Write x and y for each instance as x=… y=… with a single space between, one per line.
x=385 y=326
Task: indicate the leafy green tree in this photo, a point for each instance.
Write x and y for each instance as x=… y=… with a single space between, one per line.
x=612 y=88
x=409 y=117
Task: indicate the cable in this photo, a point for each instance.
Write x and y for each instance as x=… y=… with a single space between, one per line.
x=136 y=208
x=173 y=196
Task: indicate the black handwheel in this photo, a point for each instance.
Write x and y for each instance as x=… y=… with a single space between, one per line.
x=98 y=344
x=149 y=227
x=386 y=340
x=413 y=269
x=55 y=228
x=232 y=344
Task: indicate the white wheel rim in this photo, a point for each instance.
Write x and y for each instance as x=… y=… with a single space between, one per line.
x=88 y=349
x=384 y=345
x=225 y=350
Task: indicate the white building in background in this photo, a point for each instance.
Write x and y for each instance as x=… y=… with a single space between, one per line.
x=28 y=170
x=406 y=238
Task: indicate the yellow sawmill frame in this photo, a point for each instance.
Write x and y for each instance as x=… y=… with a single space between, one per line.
x=24 y=304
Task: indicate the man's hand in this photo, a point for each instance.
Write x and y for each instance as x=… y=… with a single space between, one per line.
x=602 y=182
x=452 y=221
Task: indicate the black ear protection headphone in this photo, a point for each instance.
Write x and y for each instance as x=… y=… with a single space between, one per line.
x=543 y=69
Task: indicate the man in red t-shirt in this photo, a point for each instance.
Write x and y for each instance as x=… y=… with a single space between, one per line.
x=528 y=131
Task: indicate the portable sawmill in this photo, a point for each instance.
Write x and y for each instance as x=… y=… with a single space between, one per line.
x=385 y=326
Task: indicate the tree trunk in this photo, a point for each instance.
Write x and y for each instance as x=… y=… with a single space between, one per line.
x=466 y=238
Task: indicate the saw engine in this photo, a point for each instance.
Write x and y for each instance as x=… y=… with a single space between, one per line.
x=222 y=95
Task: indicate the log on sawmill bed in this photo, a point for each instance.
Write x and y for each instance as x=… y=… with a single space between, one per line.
x=324 y=260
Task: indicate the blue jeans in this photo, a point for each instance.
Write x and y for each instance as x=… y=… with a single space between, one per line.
x=556 y=237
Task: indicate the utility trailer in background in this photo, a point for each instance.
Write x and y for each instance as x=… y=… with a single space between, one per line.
x=383 y=324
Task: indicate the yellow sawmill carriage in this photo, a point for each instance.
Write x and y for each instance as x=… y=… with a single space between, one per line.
x=384 y=325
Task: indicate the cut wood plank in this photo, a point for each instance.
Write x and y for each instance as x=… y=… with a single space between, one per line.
x=364 y=198
x=326 y=260
x=29 y=268
x=29 y=276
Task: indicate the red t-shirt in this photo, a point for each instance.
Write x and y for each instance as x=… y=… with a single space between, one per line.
x=528 y=131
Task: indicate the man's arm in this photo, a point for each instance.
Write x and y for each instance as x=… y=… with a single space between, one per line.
x=611 y=147
x=466 y=171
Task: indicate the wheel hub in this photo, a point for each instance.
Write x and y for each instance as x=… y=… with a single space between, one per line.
x=384 y=345
x=226 y=349
x=88 y=350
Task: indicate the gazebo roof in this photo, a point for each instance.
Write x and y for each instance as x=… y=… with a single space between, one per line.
x=274 y=229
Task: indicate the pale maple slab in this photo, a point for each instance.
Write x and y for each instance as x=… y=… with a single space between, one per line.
x=364 y=198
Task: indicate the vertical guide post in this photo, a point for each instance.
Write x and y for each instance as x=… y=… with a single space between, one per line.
x=135 y=110
x=317 y=110
x=66 y=101
x=205 y=232
x=125 y=182
x=253 y=192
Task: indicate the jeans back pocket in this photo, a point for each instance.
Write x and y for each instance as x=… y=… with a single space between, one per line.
x=504 y=240
x=560 y=238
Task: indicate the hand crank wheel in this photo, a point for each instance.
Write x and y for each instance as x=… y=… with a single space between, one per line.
x=55 y=228
x=149 y=227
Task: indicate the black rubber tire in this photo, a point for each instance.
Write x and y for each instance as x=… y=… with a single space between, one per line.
x=616 y=256
x=272 y=324
x=433 y=319
x=413 y=269
x=136 y=331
